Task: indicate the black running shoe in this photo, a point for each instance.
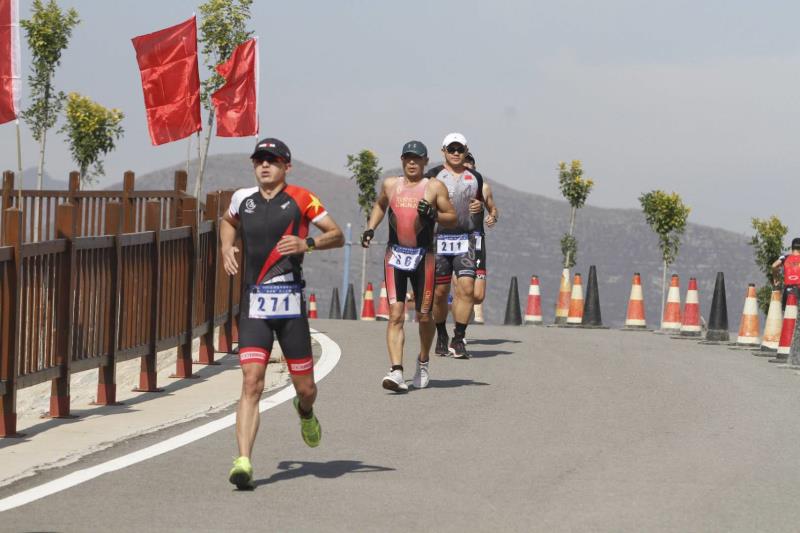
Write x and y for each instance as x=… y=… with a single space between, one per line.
x=458 y=349
x=441 y=345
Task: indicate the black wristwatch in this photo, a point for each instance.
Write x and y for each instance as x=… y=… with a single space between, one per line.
x=311 y=244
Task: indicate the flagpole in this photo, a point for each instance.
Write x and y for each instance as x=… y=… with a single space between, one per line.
x=19 y=154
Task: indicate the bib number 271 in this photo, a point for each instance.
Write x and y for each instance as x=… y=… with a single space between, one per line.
x=275 y=302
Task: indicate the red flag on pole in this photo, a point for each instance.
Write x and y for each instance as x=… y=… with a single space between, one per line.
x=9 y=60
x=170 y=81
x=236 y=102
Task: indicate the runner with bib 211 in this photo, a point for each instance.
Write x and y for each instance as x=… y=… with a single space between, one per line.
x=414 y=205
x=272 y=219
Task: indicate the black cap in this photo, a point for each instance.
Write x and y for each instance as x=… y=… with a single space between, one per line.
x=416 y=148
x=469 y=158
x=796 y=243
x=273 y=146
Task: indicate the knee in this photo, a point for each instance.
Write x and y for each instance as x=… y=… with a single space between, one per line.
x=424 y=318
x=253 y=386
x=397 y=315
x=306 y=390
x=467 y=291
x=442 y=291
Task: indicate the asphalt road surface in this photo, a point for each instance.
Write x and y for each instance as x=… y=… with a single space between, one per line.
x=544 y=429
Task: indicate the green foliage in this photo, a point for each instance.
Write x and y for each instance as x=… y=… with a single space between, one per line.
x=223 y=27
x=91 y=131
x=767 y=245
x=365 y=170
x=574 y=187
x=48 y=32
x=666 y=214
x=569 y=249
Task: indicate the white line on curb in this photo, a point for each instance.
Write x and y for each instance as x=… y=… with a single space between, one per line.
x=327 y=362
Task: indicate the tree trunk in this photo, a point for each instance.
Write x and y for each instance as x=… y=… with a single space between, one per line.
x=19 y=154
x=40 y=169
x=663 y=289
x=571 y=229
x=198 y=184
x=363 y=272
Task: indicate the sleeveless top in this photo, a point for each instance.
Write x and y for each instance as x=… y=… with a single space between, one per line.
x=791 y=270
x=461 y=190
x=406 y=227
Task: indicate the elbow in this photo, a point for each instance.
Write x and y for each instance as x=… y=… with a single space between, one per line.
x=339 y=239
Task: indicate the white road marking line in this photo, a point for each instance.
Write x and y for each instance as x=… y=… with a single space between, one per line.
x=327 y=362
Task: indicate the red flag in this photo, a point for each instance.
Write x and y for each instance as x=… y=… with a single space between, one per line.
x=9 y=60
x=236 y=102
x=170 y=81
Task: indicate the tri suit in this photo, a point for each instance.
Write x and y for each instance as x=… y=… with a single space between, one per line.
x=791 y=276
x=409 y=251
x=272 y=301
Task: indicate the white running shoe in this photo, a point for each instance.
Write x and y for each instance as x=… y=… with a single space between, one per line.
x=421 y=377
x=394 y=381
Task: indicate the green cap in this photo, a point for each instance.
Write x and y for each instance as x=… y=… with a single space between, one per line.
x=416 y=148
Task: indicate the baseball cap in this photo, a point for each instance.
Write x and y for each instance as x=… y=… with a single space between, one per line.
x=416 y=148
x=451 y=138
x=469 y=158
x=796 y=243
x=273 y=146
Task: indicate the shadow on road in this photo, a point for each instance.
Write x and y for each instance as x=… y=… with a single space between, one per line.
x=452 y=383
x=329 y=470
x=488 y=353
x=491 y=342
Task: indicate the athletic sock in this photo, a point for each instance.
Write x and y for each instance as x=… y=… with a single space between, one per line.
x=441 y=329
x=460 y=330
x=397 y=367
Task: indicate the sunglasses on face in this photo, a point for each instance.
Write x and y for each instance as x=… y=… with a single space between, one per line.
x=456 y=149
x=268 y=158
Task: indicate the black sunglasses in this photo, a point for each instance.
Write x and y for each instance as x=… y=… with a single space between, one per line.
x=456 y=149
x=269 y=158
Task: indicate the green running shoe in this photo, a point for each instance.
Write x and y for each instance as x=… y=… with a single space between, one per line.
x=242 y=473
x=309 y=427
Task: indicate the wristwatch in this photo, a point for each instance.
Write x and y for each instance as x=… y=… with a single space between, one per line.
x=311 y=244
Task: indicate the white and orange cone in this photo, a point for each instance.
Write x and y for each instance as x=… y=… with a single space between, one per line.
x=383 y=304
x=477 y=314
x=368 y=306
x=772 y=325
x=690 y=325
x=672 y=309
x=562 y=304
x=787 y=329
x=533 y=311
x=635 y=316
x=749 y=325
x=575 y=315
x=312 y=306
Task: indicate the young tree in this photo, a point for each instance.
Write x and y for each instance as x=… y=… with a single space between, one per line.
x=91 y=131
x=767 y=245
x=365 y=170
x=223 y=27
x=575 y=189
x=48 y=32
x=666 y=215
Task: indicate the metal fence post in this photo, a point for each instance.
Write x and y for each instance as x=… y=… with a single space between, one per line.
x=12 y=236
x=148 y=374
x=66 y=228
x=107 y=375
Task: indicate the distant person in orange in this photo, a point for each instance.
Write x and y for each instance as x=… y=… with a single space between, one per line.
x=791 y=271
x=480 y=234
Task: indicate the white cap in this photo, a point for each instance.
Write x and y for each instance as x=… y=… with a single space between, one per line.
x=451 y=138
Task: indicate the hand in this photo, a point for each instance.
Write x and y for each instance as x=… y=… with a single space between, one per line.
x=475 y=206
x=366 y=237
x=491 y=220
x=229 y=261
x=291 y=245
x=425 y=209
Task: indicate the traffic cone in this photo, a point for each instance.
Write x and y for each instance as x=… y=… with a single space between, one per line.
x=772 y=325
x=533 y=311
x=336 y=307
x=749 y=325
x=513 y=312
x=690 y=325
x=312 y=306
x=576 y=302
x=349 y=312
x=477 y=312
x=383 y=304
x=787 y=329
x=635 y=317
x=562 y=304
x=368 y=304
x=718 y=317
x=591 y=308
x=671 y=320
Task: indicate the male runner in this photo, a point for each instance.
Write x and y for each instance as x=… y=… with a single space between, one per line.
x=480 y=234
x=272 y=219
x=455 y=247
x=415 y=204
x=791 y=271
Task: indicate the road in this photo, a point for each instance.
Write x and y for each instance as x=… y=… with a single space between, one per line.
x=544 y=429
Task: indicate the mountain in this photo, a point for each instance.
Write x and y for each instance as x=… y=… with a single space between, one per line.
x=48 y=183
x=525 y=241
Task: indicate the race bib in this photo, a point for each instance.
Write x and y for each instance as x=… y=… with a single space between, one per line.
x=452 y=244
x=406 y=258
x=276 y=300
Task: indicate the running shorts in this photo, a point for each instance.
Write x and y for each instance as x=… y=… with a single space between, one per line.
x=461 y=265
x=421 y=280
x=480 y=256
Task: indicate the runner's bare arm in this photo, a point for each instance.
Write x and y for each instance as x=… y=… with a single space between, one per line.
x=491 y=207
x=227 y=238
x=331 y=237
x=446 y=213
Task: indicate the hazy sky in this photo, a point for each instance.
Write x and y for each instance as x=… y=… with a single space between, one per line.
x=699 y=97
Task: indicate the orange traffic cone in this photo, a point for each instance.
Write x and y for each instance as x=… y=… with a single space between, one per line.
x=671 y=321
x=533 y=311
x=575 y=316
x=772 y=325
x=635 y=317
x=312 y=306
x=477 y=314
x=383 y=304
x=787 y=329
x=368 y=304
x=562 y=304
x=749 y=325
x=690 y=325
